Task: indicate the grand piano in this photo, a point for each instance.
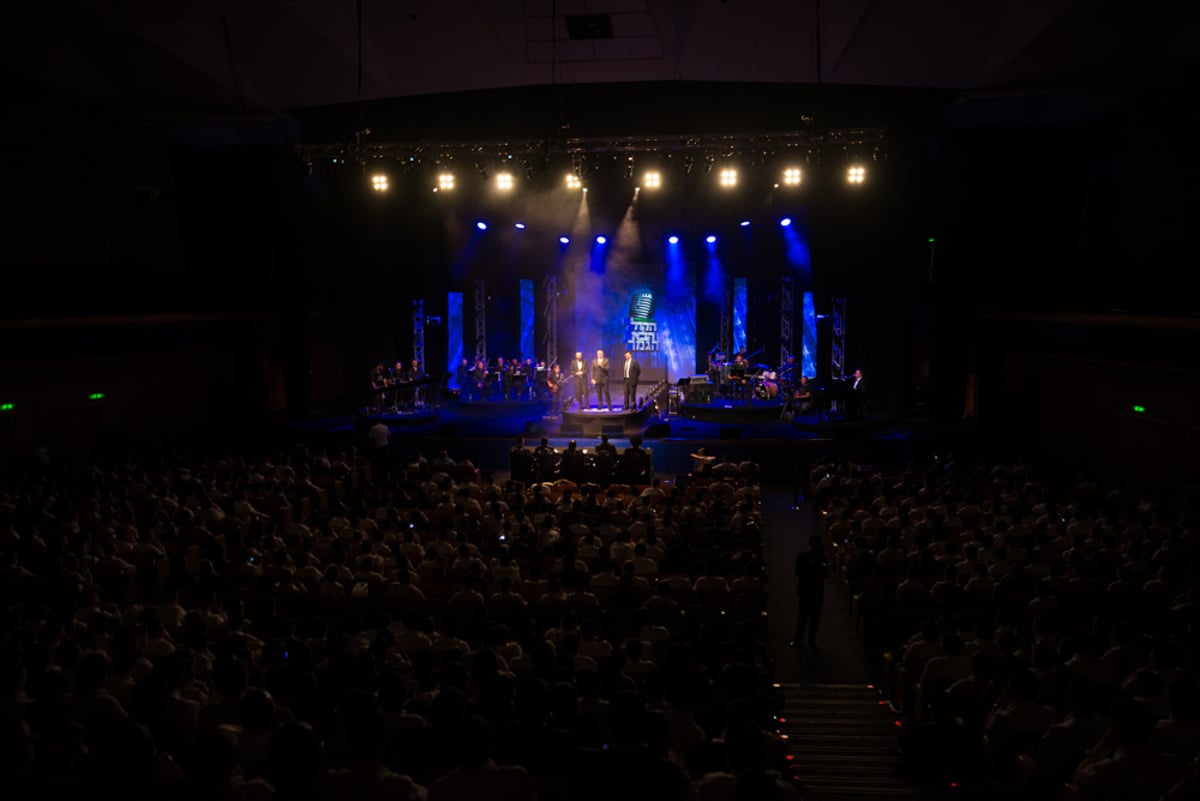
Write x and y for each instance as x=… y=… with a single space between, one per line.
x=835 y=392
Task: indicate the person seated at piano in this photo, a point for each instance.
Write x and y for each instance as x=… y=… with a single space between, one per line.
x=738 y=383
x=802 y=396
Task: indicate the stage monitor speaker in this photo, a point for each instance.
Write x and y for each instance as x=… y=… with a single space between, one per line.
x=700 y=393
x=658 y=431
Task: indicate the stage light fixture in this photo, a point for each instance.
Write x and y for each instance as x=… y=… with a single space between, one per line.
x=744 y=223
x=519 y=226
x=481 y=225
x=791 y=176
x=573 y=181
x=856 y=174
x=652 y=180
x=504 y=181
x=785 y=222
x=379 y=183
x=601 y=240
x=672 y=239
x=445 y=181
x=710 y=239
x=729 y=178
x=564 y=240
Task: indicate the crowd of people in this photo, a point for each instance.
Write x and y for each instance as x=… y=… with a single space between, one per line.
x=299 y=627
x=1042 y=644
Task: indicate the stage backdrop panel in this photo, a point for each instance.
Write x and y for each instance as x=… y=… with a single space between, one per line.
x=647 y=308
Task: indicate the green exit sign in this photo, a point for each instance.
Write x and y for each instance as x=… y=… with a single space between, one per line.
x=7 y=407
x=96 y=396
x=1139 y=409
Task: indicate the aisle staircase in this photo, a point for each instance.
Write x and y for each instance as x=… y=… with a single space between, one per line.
x=842 y=742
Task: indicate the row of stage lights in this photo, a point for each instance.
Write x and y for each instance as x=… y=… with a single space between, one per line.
x=673 y=239
x=652 y=180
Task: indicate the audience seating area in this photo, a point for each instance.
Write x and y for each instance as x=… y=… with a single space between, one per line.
x=308 y=627
x=1033 y=646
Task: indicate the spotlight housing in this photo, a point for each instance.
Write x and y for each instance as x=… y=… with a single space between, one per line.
x=601 y=240
x=481 y=225
x=792 y=176
x=564 y=240
x=519 y=226
x=673 y=240
x=652 y=179
x=711 y=239
x=573 y=181
x=728 y=177
x=504 y=181
x=445 y=181
x=744 y=223
x=379 y=183
x=785 y=222
x=856 y=174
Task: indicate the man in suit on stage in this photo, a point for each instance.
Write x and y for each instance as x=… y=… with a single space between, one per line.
x=858 y=396
x=600 y=367
x=631 y=371
x=579 y=373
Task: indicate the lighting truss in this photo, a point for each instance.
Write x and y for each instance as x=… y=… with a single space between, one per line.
x=870 y=142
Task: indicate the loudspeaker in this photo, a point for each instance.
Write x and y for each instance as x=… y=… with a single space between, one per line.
x=658 y=431
x=699 y=393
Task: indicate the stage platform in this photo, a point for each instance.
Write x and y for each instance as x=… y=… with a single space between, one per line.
x=486 y=429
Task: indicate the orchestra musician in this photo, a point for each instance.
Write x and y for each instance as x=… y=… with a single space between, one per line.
x=379 y=383
x=555 y=378
x=631 y=372
x=600 y=368
x=398 y=381
x=530 y=374
x=737 y=378
x=462 y=377
x=579 y=373
x=479 y=377
x=516 y=379
x=416 y=380
x=802 y=395
x=540 y=376
x=501 y=382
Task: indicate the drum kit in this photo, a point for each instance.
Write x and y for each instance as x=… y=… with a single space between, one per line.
x=762 y=382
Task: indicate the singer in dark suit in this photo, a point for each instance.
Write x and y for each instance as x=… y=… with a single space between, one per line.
x=631 y=371
x=600 y=367
x=579 y=373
